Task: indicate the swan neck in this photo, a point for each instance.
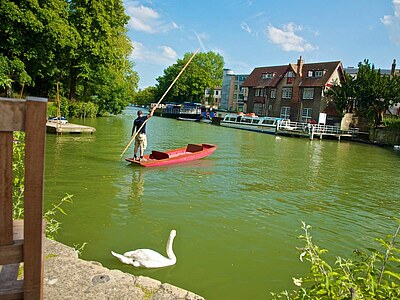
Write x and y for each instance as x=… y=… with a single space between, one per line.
x=170 y=252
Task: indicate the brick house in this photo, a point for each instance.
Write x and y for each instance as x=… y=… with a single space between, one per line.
x=293 y=91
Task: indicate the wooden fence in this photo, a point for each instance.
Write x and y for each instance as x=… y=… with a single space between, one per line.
x=22 y=240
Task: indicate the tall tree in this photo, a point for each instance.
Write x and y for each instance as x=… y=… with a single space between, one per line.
x=205 y=71
x=342 y=95
x=370 y=94
x=375 y=92
x=145 y=96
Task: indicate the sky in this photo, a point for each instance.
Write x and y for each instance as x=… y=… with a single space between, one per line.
x=257 y=33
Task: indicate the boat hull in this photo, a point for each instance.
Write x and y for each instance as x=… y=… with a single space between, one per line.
x=250 y=122
x=175 y=156
x=252 y=127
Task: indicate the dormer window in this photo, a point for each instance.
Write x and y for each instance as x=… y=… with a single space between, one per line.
x=268 y=75
x=315 y=73
x=290 y=74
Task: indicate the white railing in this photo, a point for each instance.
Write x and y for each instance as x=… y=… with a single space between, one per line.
x=311 y=129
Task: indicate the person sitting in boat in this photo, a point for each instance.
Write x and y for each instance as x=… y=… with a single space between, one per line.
x=140 y=139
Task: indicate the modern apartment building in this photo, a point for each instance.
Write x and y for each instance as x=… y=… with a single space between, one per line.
x=232 y=96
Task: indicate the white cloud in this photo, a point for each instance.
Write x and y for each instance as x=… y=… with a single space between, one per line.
x=168 y=52
x=164 y=55
x=144 y=18
x=246 y=27
x=287 y=39
x=392 y=22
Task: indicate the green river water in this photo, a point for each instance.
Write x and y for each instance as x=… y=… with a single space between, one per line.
x=237 y=212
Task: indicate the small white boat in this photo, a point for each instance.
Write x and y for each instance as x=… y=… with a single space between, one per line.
x=251 y=122
x=187 y=119
x=61 y=120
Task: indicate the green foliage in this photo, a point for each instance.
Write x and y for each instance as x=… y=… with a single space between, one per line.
x=204 y=71
x=83 y=45
x=82 y=109
x=145 y=96
x=52 y=225
x=79 y=248
x=342 y=95
x=368 y=276
x=52 y=109
x=369 y=95
x=18 y=174
x=392 y=122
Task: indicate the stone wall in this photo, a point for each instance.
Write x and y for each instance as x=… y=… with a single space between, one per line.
x=385 y=136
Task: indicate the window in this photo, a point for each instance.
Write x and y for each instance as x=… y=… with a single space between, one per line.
x=306 y=114
x=319 y=73
x=273 y=93
x=285 y=112
x=310 y=74
x=290 y=74
x=270 y=107
x=216 y=93
x=257 y=92
x=268 y=75
x=308 y=93
x=268 y=121
x=258 y=108
x=287 y=93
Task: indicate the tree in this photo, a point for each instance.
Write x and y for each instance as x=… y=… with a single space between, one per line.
x=145 y=96
x=205 y=71
x=81 y=44
x=375 y=92
x=372 y=93
x=342 y=95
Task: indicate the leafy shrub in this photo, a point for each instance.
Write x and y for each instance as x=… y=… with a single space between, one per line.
x=392 y=123
x=51 y=109
x=369 y=276
x=83 y=109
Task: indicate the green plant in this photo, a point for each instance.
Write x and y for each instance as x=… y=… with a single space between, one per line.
x=18 y=174
x=52 y=225
x=52 y=109
x=79 y=248
x=392 y=122
x=368 y=276
x=83 y=109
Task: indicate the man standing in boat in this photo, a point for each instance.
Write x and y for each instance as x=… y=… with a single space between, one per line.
x=140 y=139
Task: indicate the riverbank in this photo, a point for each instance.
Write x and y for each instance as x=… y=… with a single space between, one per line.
x=68 y=277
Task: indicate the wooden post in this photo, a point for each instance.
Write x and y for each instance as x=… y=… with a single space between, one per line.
x=35 y=128
x=6 y=233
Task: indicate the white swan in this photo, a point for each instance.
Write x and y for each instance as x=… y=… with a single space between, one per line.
x=148 y=258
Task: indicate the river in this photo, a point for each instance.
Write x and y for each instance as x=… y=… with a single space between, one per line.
x=237 y=213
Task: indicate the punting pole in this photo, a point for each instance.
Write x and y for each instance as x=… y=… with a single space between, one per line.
x=159 y=101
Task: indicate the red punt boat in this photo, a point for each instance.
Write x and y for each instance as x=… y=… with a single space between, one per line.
x=176 y=156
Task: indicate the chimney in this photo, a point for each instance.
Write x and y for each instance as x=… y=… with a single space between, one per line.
x=300 y=63
x=393 y=71
x=295 y=102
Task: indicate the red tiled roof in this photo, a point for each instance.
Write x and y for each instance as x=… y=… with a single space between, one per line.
x=328 y=67
x=255 y=78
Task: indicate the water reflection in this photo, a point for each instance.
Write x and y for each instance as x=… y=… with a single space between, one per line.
x=136 y=191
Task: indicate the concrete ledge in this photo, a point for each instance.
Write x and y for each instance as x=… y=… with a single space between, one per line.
x=68 y=277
